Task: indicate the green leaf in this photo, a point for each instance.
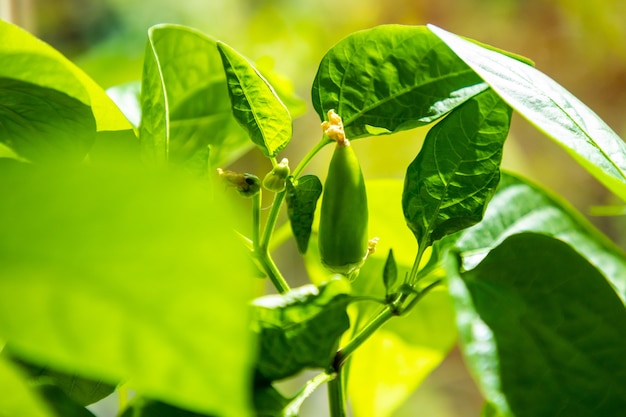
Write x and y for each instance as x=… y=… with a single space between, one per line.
x=44 y=125
x=149 y=408
x=551 y=108
x=185 y=106
x=61 y=403
x=82 y=391
x=255 y=104
x=112 y=275
x=520 y=206
x=542 y=330
x=455 y=174
x=391 y=78
x=27 y=59
x=18 y=398
x=302 y=196
x=300 y=329
x=390 y=273
x=268 y=402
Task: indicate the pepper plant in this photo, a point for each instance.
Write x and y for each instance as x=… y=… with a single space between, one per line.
x=134 y=259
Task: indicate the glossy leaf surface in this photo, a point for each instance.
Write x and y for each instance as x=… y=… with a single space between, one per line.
x=302 y=196
x=455 y=174
x=94 y=280
x=184 y=103
x=256 y=106
x=391 y=78
x=300 y=329
x=520 y=206
x=551 y=108
x=542 y=330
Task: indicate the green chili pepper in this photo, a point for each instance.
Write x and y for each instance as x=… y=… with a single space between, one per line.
x=343 y=241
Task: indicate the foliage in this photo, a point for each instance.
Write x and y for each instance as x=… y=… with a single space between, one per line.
x=120 y=268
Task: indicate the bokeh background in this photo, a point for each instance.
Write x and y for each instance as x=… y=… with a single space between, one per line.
x=579 y=43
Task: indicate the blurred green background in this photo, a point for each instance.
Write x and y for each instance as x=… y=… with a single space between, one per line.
x=577 y=42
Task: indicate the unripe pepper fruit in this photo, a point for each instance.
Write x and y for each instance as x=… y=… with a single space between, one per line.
x=343 y=241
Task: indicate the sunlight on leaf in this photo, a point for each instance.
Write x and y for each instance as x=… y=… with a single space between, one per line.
x=551 y=108
x=391 y=78
x=455 y=174
x=255 y=104
x=113 y=275
x=17 y=398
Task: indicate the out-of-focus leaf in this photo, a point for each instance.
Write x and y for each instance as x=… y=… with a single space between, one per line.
x=520 y=206
x=113 y=275
x=28 y=59
x=61 y=402
x=282 y=85
x=149 y=408
x=18 y=399
x=268 y=402
x=300 y=329
x=82 y=391
x=44 y=125
x=542 y=330
x=391 y=78
x=302 y=196
x=450 y=182
x=184 y=100
x=551 y=108
x=255 y=104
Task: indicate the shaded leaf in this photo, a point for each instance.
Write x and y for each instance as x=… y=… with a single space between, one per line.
x=149 y=408
x=302 y=196
x=520 y=206
x=390 y=273
x=28 y=59
x=104 y=274
x=44 y=125
x=551 y=108
x=80 y=390
x=391 y=78
x=255 y=104
x=450 y=182
x=18 y=398
x=542 y=330
x=185 y=106
x=300 y=329
x=268 y=402
x=62 y=403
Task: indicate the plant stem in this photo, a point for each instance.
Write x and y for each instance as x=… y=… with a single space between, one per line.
x=256 y=217
x=293 y=407
x=336 y=401
x=309 y=156
x=412 y=278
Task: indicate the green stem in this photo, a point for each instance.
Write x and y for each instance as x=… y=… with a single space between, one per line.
x=294 y=405
x=309 y=156
x=256 y=217
x=336 y=401
x=412 y=277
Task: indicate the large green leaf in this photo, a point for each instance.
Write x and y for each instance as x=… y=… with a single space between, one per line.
x=455 y=174
x=551 y=108
x=18 y=399
x=391 y=78
x=44 y=125
x=184 y=100
x=519 y=206
x=26 y=58
x=115 y=275
x=255 y=104
x=300 y=329
x=542 y=330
